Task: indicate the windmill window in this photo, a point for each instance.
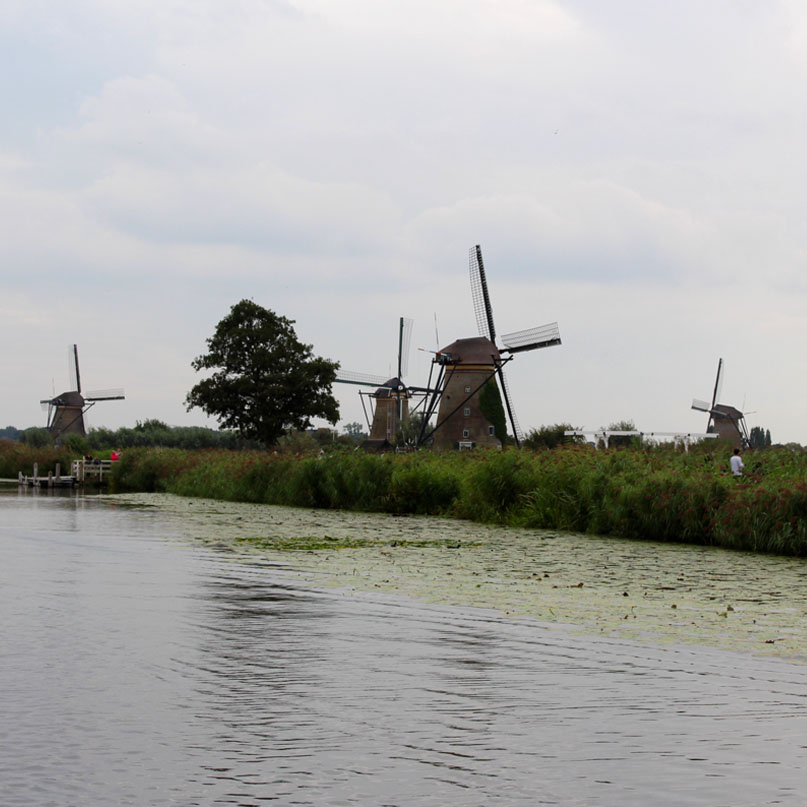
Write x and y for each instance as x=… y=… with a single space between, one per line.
x=466 y=433
x=491 y=430
x=467 y=411
x=467 y=387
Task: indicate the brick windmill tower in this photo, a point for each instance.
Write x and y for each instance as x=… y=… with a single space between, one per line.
x=66 y=410
x=726 y=421
x=468 y=370
x=391 y=397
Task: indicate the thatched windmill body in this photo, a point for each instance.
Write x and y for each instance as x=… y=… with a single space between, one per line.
x=468 y=366
x=726 y=421
x=66 y=410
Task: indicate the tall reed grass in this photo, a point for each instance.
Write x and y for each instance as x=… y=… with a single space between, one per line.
x=16 y=457
x=659 y=494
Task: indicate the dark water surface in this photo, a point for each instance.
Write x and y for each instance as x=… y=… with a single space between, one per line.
x=140 y=668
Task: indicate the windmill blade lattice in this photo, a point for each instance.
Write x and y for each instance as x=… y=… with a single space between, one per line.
x=718 y=384
x=480 y=295
x=105 y=395
x=532 y=338
x=361 y=379
x=72 y=364
x=404 y=341
x=512 y=412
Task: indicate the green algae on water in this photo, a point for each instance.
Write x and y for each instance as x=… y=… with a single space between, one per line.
x=641 y=591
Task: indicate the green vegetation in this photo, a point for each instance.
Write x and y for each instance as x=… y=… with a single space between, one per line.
x=16 y=456
x=550 y=436
x=146 y=433
x=623 y=440
x=156 y=433
x=316 y=543
x=35 y=437
x=652 y=493
x=264 y=380
x=759 y=437
x=490 y=404
x=655 y=493
x=355 y=431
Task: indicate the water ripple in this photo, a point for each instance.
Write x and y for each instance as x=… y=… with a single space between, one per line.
x=140 y=669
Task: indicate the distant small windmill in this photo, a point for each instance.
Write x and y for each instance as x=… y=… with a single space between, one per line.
x=66 y=411
x=466 y=366
x=726 y=421
x=391 y=398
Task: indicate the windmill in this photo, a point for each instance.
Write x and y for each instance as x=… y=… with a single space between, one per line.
x=66 y=411
x=390 y=400
x=467 y=365
x=724 y=420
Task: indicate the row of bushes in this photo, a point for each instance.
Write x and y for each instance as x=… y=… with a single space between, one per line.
x=653 y=494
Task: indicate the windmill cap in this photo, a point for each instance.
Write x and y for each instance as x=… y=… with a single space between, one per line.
x=389 y=387
x=71 y=398
x=476 y=350
x=726 y=411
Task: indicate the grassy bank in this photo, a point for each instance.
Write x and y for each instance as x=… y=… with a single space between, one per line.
x=655 y=494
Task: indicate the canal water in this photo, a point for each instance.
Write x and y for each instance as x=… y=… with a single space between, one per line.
x=141 y=666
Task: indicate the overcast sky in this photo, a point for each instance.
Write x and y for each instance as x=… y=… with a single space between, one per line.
x=634 y=170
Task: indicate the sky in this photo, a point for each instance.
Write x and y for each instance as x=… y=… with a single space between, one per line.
x=632 y=170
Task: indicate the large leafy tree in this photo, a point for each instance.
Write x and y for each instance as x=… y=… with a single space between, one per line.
x=264 y=380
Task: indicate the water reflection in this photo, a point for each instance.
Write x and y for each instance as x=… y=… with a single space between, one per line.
x=139 y=668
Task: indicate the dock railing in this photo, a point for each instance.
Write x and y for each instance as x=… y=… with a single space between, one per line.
x=89 y=471
x=95 y=470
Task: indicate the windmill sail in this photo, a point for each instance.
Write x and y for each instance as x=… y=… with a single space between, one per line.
x=726 y=421
x=519 y=435
x=469 y=363
x=72 y=363
x=480 y=295
x=404 y=340
x=718 y=384
x=105 y=395
x=360 y=379
x=532 y=338
x=66 y=411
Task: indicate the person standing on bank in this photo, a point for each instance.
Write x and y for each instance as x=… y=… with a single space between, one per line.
x=736 y=463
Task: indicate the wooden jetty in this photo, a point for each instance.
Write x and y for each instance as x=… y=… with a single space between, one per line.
x=94 y=472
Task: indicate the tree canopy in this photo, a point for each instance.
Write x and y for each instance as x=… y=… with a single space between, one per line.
x=550 y=436
x=264 y=379
x=759 y=437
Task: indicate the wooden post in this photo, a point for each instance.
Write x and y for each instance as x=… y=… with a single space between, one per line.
x=36 y=473
x=50 y=479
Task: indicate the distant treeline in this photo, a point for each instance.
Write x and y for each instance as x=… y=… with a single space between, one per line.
x=148 y=433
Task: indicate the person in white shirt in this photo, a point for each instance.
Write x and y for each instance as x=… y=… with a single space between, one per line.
x=736 y=463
